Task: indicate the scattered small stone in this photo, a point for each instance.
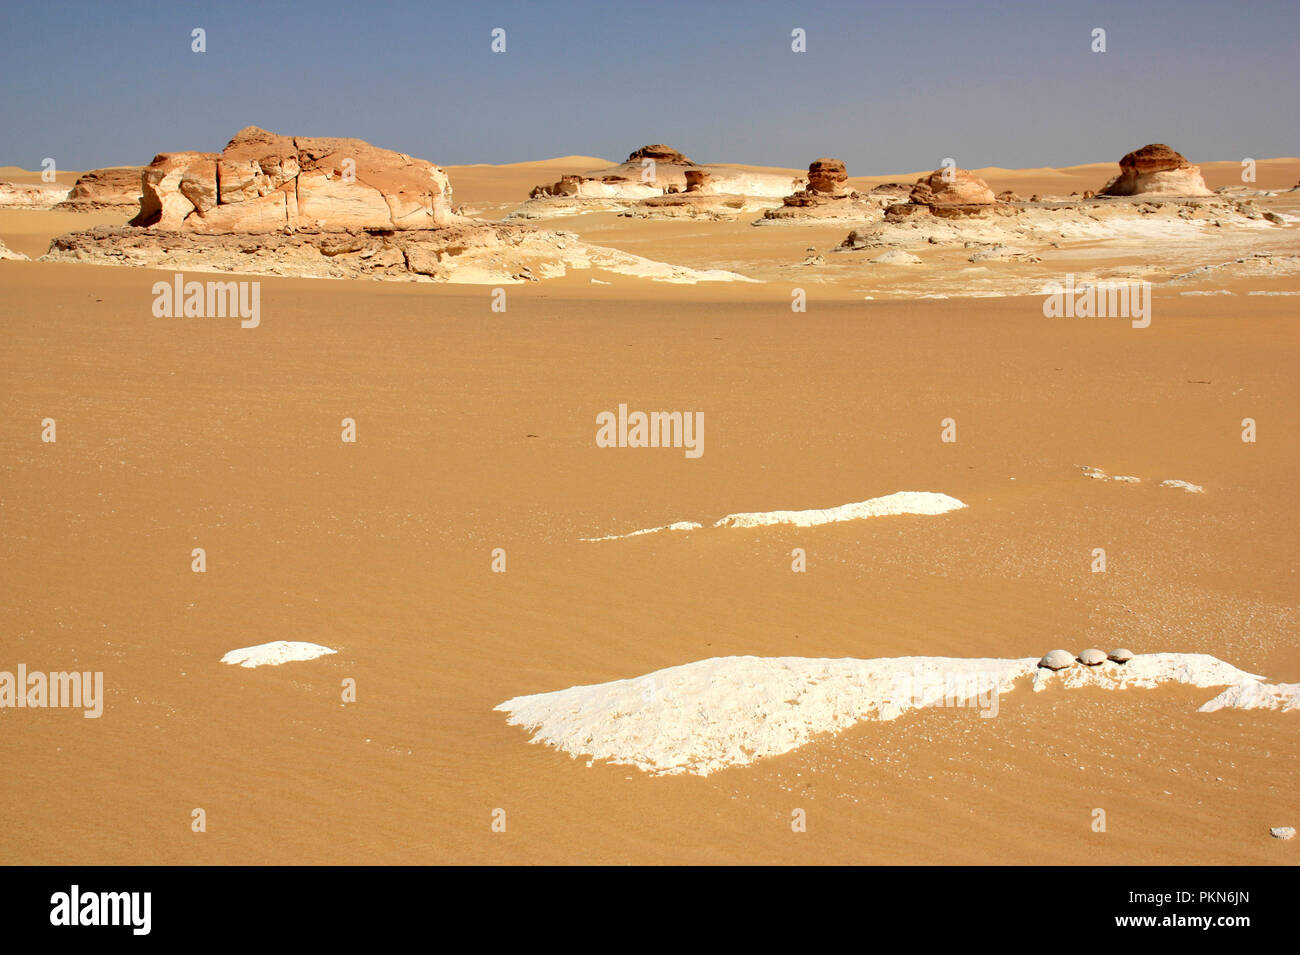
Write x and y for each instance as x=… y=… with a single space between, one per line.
x=1092 y=657
x=1121 y=655
x=1057 y=660
x=1283 y=832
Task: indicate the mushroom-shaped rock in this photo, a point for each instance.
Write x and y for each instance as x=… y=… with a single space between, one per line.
x=1282 y=832
x=1121 y=655
x=1092 y=657
x=1156 y=170
x=1057 y=660
x=660 y=153
x=828 y=176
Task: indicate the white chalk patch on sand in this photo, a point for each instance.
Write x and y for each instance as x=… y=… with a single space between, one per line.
x=1097 y=474
x=275 y=653
x=677 y=526
x=902 y=502
x=731 y=711
x=1185 y=485
x=1252 y=695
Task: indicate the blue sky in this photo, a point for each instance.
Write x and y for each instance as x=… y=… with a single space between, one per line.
x=889 y=87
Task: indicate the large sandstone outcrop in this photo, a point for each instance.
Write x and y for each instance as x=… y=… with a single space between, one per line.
x=660 y=153
x=101 y=190
x=263 y=182
x=468 y=252
x=1156 y=170
x=948 y=193
x=952 y=187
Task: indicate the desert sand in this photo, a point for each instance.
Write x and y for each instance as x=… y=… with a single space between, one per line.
x=475 y=431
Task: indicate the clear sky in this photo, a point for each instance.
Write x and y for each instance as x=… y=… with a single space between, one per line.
x=887 y=87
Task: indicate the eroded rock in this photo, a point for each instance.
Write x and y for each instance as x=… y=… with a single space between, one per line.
x=1156 y=170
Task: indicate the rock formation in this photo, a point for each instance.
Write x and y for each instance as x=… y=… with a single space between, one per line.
x=103 y=190
x=952 y=187
x=7 y=253
x=946 y=192
x=827 y=181
x=1057 y=660
x=1156 y=170
x=660 y=154
x=591 y=187
x=262 y=182
x=467 y=252
x=32 y=195
x=698 y=180
x=828 y=177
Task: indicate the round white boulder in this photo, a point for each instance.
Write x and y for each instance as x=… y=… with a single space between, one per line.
x=1122 y=655
x=1092 y=657
x=1057 y=660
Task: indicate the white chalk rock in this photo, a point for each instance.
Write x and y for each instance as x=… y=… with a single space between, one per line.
x=896 y=257
x=1282 y=832
x=730 y=711
x=1057 y=660
x=275 y=653
x=1121 y=655
x=1254 y=695
x=1092 y=657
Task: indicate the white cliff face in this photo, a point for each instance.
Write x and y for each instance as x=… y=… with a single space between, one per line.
x=730 y=711
x=32 y=195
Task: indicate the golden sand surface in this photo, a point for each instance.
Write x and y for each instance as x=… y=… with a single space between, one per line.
x=475 y=431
